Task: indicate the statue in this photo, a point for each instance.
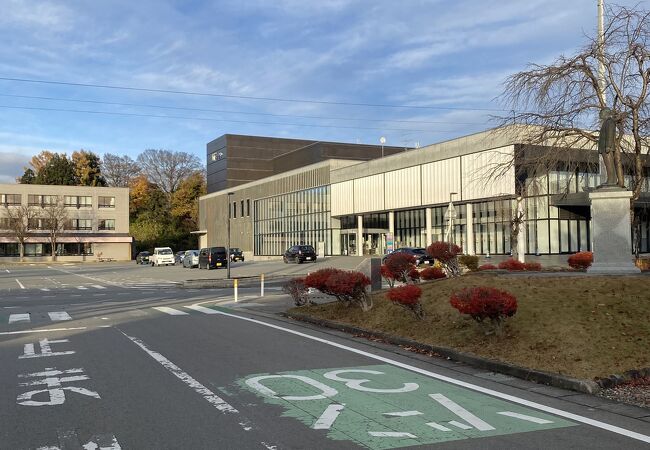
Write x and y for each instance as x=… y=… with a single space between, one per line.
x=607 y=144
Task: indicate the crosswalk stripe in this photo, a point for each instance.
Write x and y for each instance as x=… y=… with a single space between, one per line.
x=170 y=311
x=59 y=315
x=202 y=309
x=13 y=318
x=97 y=286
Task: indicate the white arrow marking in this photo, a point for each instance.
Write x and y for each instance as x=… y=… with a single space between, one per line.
x=462 y=426
x=524 y=417
x=326 y=420
x=438 y=426
x=392 y=434
x=462 y=412
x=20 y=284
x=403 y=413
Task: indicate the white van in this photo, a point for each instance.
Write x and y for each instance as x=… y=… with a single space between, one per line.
x=162 y=255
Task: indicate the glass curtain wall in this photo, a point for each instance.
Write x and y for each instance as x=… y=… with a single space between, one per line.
x=491 y=223
x=296 y=218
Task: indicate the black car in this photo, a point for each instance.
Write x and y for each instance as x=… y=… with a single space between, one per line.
x=178 y=257
x=420 y=254
x=142 y=258
x=213 y=258
x=236 y=254
x=299 y=254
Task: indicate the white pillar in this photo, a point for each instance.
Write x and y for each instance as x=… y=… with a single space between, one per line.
x=391 y=223
x=429 y=225
x=522 y=237
x=470 y=250
x=359 y=235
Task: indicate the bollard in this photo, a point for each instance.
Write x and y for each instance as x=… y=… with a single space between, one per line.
x=235 y=283
x=262 y=285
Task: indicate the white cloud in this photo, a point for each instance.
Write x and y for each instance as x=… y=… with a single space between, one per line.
x=46 y=14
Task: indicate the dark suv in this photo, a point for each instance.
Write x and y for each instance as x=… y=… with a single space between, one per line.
x=420 y=254
x=213 y=258
x=300 y=254
x=142 y=258
x=236 y=254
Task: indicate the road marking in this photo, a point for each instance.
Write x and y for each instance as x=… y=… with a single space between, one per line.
x=7 y=270
x=326 y=420
x=97 y=286
x=202 y=309
x=13 y=318
x=4 y=333
x=462 y=426
x=59 y=315
x=82 y=288
x=524 y=417
x=20 y=284
x=438 y=426
x=474 y=387
x=45 y=289
x=461 y=412
x=403 y=413
x=397 y=434
x=170 y=311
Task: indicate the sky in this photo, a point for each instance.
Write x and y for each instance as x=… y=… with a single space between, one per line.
x=308 y=69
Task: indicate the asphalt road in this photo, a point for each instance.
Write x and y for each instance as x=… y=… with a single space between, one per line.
x=139 y=366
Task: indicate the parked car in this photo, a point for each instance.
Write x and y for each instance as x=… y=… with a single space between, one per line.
x=420 y=254
x=236 y=254
x=191 y=259
x=178 y=257
x=299 y=254
x=142 y=258
x=162 y=255
x=213 y=258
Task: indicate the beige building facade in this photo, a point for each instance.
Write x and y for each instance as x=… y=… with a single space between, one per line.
x=96 y=222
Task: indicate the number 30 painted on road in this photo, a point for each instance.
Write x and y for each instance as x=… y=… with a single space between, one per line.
x=358 y=384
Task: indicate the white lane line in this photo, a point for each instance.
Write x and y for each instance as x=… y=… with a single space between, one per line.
x=462 y=426
x=13 y=318
x=203 y=391
x=524 y=417
x=327 y=419
x=59 y=315
x=437 y=426
x=97 y=286
x=170 y=311
x=82 y=288
x=20 y=284
x=403 y=413
x=202 y=309
x=462 y=413
x=396 y=434
x=511 y=398
x=45 y=289
x=5 y=333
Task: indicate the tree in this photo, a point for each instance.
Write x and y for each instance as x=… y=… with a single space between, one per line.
x=185 y=201
x=20 y=218
x=39 y=161
x=58 y=170
x=119 y=171
x=87 y=168
x=29 y=177
x=167 y=168
x=55 y=217
x=560 y=103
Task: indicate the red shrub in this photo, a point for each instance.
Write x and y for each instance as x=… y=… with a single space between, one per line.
x=318 y=279
x=487 y=267
x=408 y=297
x=414 y=275
x=400 y=265
x=432 y=273
x=349 y=287
x=581 y=260
x=483 y=303
x=511 y=264
x=388 y=275
x=444 y=251
x=532 y=266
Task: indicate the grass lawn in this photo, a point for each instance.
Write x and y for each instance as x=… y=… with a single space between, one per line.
x=579 y=326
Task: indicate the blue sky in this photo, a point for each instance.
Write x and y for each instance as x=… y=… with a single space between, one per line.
x=439 y=54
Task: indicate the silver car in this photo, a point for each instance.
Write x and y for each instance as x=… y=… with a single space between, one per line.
x=191 y=259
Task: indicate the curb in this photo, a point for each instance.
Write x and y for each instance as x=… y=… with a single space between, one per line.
x=538 y=376
x=615 y=380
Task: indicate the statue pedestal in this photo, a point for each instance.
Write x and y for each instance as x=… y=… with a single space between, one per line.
x=611 y=231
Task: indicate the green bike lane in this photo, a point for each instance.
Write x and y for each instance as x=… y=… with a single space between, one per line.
x=234 y=379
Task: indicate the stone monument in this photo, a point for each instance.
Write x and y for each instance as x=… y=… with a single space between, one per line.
x=610 y=211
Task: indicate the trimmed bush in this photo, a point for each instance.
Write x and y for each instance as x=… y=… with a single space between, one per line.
x=581 y=260
x=487 y=267
x=432 y=273
x=469 y=261
x=532 y=266
x=349 y=287
x=485 y=303
x=387 y=275
x=408 y=297
x=414 y=275
x=512 y=265
x=447 y=254
x=399 y=266
x=298 y=291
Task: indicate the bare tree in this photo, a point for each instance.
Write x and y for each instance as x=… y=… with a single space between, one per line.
x=55 y=216
x=19 y=220
x=167 y=168
x=559 y=104
x=119 y=170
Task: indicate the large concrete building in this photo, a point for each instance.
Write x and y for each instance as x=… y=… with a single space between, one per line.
x=354 y=207
x=97 y=224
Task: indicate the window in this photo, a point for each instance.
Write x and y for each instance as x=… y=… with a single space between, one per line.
x=79 y=224
x=10 y=199
x=106 y=202
x=41 y=200
x=107 y=224
x=234 y=210
x=37 y=224
x=241 y=210
x=248 y=207
x=78 y=201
